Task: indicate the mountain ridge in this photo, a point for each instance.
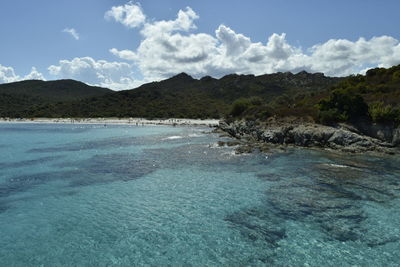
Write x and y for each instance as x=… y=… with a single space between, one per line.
x=65 y=89
x=178 y=96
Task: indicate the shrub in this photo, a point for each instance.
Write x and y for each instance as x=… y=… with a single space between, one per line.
x=239 y=106
x=342 y=105
x=255 y=100
x=383 y=113
x=330 y=116
x=396 y=76
x=375 y=72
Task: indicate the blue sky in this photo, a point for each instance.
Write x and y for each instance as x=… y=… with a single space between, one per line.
x=207 y=38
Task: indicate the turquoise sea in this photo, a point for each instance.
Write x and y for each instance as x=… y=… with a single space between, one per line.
x=95 y=195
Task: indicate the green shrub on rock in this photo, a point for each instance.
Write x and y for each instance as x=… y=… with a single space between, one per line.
x=342 y=105
x=384 y=113
x=239 y=106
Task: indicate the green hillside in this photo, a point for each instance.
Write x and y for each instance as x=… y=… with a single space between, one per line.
x=374 y=97
x=378 y=92
x=60 y=90
x=14 y=105
x=184 y=96
x=19 y=98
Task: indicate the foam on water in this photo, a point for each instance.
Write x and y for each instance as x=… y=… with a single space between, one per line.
x=134 y=196
x=173 y=137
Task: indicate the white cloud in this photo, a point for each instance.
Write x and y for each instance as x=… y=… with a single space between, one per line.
x=114 y=75
x=72 y=32
x=34 y=75
x=130 y=15
x=170 y=47
x=343 y=57
x=7 y=75
x=125 y=54
x=183 y=22
x=233 y=44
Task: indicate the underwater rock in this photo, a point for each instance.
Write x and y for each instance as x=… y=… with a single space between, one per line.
x=255 y=224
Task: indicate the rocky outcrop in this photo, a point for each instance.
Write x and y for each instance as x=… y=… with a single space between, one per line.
x=384 y=132
x=343 y=138
x=396 y=137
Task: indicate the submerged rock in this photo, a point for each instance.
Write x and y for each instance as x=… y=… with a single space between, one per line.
x=331 y=197
x=257 y=224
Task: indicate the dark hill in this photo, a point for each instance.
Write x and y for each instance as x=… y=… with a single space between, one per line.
x=357 y=99
x=184 y=96
x=60 y=90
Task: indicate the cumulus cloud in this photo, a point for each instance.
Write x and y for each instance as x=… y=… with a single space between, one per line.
x=7 y=75
x=34 y=75
x=130 y=15
x=172 y=46
x=342 y=57
x=115 y=75
x=72 y=32
x=183 y=22
x=125 y=54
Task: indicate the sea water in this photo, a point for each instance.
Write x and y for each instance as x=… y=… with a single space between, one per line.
x=95 y=195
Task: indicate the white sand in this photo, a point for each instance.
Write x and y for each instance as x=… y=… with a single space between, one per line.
x=130 y=121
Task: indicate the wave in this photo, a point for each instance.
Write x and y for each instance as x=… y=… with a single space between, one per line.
x=173 y=137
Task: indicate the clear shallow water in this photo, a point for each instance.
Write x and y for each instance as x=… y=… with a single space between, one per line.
x=87 y=195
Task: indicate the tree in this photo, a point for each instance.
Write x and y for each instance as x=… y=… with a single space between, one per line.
x=342 y=105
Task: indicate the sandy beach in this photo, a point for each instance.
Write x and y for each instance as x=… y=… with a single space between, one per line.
x=116 y=121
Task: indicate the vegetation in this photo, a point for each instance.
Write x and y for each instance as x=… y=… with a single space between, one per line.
x=342 y=105
x=61 y=90
x=384 y=113
x=373 y=97
x=23 y=99
x=182 y=96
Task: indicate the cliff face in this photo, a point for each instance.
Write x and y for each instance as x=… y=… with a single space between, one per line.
x=385 y=132
x=341 y=137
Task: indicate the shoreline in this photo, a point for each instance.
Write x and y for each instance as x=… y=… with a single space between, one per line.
x=117 y=121
x=343 y=138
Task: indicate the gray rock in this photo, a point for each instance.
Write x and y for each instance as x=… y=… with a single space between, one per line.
x=344 y=137
x=396 y=137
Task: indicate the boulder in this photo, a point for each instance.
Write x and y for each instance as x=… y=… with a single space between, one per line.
x=310 y=135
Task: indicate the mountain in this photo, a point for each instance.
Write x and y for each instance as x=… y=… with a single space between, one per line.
x=18 y=98
x=61 y=90
x=184 y=96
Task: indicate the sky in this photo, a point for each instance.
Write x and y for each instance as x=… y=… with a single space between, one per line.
x=123 y=44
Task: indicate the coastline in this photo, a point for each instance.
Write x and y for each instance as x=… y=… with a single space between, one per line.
x=117 y=121
x=343 y=138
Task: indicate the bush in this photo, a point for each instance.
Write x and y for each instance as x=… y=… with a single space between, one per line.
x=255 y=100
x=342 y=105
x=396 y=76
x=239 y=106
x=375 y=72
x=383 y=113
x=329 y=116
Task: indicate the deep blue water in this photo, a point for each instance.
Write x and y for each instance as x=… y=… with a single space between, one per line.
x=89 y=195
